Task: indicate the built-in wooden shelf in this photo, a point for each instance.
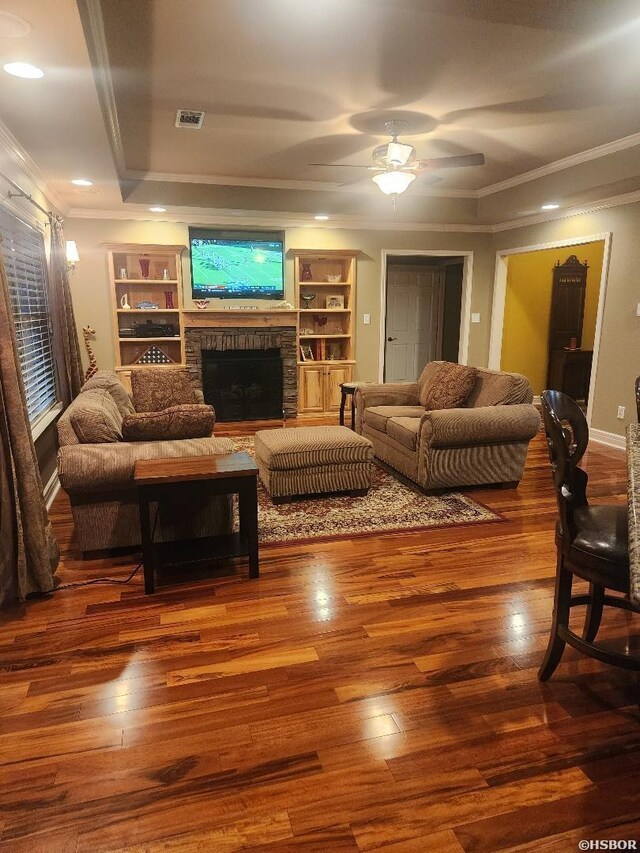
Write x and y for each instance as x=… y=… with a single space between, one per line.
x=155 y=340
x=325 y=284
x=146 y=281
x=327 y=361
x=322 y=337
x=127 y=256
x=126 y=367
x=325 y=334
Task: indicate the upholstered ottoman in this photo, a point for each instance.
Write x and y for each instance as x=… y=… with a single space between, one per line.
x=313 y=460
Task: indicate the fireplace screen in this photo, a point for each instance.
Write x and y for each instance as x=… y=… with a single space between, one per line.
x=243 y=385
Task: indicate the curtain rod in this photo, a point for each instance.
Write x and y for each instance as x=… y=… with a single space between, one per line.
x=23 y=194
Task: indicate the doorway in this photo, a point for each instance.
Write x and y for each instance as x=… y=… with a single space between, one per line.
x=422 y=311
x=522 y=311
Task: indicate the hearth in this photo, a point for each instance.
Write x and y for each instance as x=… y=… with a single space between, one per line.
x=243 y=385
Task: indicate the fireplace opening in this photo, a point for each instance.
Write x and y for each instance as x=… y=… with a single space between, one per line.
x=243 y=385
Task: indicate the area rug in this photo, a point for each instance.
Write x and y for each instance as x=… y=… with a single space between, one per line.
x=390 y=506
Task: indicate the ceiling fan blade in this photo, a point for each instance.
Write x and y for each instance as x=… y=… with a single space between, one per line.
x=341 y=165
x=452 y=162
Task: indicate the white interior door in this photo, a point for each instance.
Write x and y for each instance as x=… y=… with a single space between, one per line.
x=414 y=320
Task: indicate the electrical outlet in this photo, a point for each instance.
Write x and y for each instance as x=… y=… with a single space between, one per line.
x=638 y=310
x=367 y=319
x=620 y=414
x=475 y=318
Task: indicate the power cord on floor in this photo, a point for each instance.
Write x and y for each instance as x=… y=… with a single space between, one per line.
x=116 y=581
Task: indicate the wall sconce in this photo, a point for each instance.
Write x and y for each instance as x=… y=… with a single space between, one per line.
x=72 y=255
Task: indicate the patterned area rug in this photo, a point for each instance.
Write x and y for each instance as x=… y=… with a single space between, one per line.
x=390 y=506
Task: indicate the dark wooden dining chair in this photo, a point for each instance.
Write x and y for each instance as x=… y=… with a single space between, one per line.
x=591 y=541
x=638 y=397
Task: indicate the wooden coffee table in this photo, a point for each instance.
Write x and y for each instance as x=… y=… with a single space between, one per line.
x=226 y=474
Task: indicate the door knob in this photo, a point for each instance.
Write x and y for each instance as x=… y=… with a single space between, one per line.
x=392 y=339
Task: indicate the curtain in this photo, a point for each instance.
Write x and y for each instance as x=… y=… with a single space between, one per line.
x=65 y=333
x=28 y=551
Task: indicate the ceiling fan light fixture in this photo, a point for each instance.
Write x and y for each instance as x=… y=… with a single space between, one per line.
x=393 y=182
x=398 y=154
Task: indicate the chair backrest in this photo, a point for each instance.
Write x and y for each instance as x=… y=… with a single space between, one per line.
x=638 y=397
x=567 y=439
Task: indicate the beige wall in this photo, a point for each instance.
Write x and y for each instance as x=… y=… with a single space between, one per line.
x=619 y=360
x=90 y=281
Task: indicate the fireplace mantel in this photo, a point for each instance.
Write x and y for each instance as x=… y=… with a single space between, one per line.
x=209 y=318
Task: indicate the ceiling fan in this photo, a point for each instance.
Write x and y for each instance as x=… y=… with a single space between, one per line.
x=397 y=164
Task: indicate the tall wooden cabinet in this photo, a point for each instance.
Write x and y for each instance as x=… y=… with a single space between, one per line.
x=325 y=287
x=146 y=304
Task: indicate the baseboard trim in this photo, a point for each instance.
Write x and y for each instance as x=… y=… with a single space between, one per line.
x=51 y=489
x=611 y=439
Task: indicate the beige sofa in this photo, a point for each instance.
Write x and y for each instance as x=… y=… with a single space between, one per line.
x=484 y=441
x=98 y=477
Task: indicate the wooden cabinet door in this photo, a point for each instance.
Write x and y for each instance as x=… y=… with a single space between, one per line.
x=311 y=388
x=335 y=375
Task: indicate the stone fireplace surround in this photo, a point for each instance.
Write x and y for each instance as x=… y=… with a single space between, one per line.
x=247 y=338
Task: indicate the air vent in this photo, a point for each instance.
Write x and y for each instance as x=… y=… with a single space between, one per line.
x=190 y=118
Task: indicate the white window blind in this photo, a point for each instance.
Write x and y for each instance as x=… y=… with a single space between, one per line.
x=25 y=263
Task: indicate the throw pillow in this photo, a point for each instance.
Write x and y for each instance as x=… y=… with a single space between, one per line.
x=449 y=388
x=157 y=389
x=95 y=417
x=109 y=381
x=186 y=421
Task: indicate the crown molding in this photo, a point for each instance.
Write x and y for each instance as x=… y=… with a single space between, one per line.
x=559 y=165
x=567 y=213
x=213 y=216
x=223 y=216
x=281 y=184
x=29 y=169
x=93 y=26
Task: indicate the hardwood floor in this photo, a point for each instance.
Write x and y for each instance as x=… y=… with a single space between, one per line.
x=364 y=694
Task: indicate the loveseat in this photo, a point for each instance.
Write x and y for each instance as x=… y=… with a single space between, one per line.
x=482 y=440
x=98 y=474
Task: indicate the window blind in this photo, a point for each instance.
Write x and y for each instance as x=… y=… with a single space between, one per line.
x=25 y=263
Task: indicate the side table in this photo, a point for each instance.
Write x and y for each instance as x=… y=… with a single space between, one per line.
x=348 y=389
x=226 y=474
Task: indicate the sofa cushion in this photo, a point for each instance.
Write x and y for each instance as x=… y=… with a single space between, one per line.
x=376 y=417
x=429 y=372
x=108 y=380
x=186 y=421
x=156 y=389
x=307 y=447
x=95 y=417
x=494 y=388
x=449 y=387
x=404 y=430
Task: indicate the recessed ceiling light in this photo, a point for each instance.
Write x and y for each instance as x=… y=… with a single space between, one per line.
x=82 y=182
x=23 y=69
x=157 y=209
x=321 y=217
x=552 y=205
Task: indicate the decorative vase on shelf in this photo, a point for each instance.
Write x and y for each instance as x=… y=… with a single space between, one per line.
x=306 y=273
x=168 y=299
x=144 y=267
x=124 y=302
x=307 y=298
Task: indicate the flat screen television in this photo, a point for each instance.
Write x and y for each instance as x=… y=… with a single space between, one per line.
x=236 y=264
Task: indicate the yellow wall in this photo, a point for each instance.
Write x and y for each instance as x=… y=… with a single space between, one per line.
x=528 y=305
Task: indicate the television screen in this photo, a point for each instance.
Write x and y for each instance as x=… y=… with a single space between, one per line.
x=236 y=264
